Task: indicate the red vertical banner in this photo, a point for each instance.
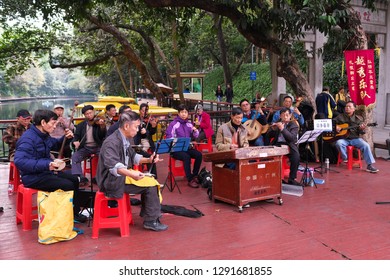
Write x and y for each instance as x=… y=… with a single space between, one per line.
x=360 y=67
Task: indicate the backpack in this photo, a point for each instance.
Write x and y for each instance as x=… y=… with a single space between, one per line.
x=206 y=181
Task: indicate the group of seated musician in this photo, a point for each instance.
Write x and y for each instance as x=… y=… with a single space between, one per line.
x=233 y=135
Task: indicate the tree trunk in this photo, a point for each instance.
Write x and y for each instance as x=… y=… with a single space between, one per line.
x=131 y=82
x=222 y=46
x=131 y=55
x=177 y=62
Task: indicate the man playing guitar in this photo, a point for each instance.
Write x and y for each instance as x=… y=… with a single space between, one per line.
x=253 y=120
x=353 y=138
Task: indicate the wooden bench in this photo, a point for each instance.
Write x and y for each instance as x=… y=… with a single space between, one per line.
x=382 y=146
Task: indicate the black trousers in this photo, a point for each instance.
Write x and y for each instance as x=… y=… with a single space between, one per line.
x=60 y=181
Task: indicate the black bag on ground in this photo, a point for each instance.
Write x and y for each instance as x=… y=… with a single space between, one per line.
x=181 y=211
x=206 y=180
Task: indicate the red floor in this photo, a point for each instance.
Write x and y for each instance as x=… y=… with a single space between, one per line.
x=338 y=220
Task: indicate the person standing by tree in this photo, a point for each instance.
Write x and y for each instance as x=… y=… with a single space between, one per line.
x=229 y=93
x=325 y=103
x=219 y=93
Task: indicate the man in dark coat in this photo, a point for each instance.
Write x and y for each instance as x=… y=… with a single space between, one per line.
x=115 y=173
x=285 y=132
x=37 y=168
x=88 y=139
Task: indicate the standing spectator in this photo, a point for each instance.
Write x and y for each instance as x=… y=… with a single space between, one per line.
x=203 y=123
x=181 y=127
x=341 y=95
x=14 y=131
x=88 y=139
x=325 y=103
x=341 y=100
x=32 y=158
x=109 y=115
x=63 y=123
x=229 y=93
x=219 y=93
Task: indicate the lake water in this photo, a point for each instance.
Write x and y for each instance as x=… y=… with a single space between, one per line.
x=8 y=110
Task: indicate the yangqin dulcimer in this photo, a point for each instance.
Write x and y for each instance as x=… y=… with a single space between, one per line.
x=247 y=153
x=256 y=176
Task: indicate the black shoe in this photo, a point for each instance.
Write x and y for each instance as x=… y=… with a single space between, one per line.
x=294 y=182
x=135 y=201
x=94 y=181
x=371 y=169
x=155 y=225
x=80 y=218
x=83 y=181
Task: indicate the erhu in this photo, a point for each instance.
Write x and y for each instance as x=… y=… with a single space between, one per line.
x=61 y=151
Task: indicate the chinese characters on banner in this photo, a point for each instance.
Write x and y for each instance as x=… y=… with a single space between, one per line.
x=360 y=69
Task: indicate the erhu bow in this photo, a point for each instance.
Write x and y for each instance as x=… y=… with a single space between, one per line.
x=61 y=151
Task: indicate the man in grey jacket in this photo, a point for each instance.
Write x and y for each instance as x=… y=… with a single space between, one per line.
x=116 y=160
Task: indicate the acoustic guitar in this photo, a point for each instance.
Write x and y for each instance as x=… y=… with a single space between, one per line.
x=253 y=126
x=344 y=132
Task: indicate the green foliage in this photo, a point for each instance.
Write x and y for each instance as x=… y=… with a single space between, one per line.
x=333 y=76
x=243 y=87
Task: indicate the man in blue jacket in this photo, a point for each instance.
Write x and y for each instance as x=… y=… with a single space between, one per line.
x=37 y=168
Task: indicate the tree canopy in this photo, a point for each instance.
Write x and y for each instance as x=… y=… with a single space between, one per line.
x=128 y=35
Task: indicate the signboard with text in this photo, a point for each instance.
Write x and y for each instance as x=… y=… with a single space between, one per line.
x=360 y=69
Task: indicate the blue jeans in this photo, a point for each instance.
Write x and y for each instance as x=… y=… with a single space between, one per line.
x=359 y=143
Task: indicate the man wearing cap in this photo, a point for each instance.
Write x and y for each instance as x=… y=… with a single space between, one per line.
x=62 y=124
x=88 y=139
x=14 y=131
x=202 y=122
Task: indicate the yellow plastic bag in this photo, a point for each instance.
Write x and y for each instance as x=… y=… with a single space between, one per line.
x=55 y=214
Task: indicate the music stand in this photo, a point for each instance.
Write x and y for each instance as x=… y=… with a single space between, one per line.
x=306 y=138
x=168 y=146
x=328 y=128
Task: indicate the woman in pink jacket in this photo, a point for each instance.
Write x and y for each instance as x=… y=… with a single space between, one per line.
x=203 y=123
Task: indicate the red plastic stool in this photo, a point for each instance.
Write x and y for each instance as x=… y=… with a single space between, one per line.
x=285 y=167
x=205 y=145
x=177 y=167
x=118 y=217
x=25 y=211
x=93 y=164
x=351 y=159
x=14 y=176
